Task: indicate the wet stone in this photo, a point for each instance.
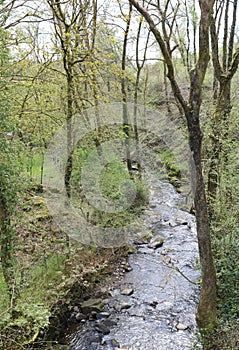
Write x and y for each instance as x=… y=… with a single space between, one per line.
x=181 y=327
x=79 y=317
x=152 y=205
x=181 y=221
x=128 y=268
x=102 y=315
x=125 y=306
x=95 y=338
x=165 y=259
x=111 y=343
x=110 y=323
x=153 y=303
x=156 y=243
x=165 y=305
x=122 y=306
x=102 y=328
x=144 y=250
x=172 y=223
x=113 y=293
x=165 y=251
x=92 y=305
x=127 y=291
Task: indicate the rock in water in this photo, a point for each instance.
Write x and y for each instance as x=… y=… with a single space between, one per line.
x=156 y=243
x=181 y=327
x=102 y=328
x=127 y=291
x=92 y=305
x=166 y=259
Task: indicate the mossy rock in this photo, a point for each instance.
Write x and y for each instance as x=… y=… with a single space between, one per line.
x=148 y=236
x=38 y=202
x=158 y=242
x=43 y=216
x=130 y=249
x=175 y=182
x=36 y=187
x=92 y=304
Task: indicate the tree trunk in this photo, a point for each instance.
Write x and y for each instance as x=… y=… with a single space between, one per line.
x=69 y=116
x=126 y=126
x=206 y=314
x=6 y=242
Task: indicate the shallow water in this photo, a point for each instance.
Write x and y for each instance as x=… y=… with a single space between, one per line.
x=162 y=299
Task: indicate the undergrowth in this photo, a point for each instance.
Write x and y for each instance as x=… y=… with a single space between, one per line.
x=225 y=234
x=50 y=272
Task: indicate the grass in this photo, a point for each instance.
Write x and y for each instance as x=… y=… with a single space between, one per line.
x=112 y=177
x=113 y=198
x=32 y=163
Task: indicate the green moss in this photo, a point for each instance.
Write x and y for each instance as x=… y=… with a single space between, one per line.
x=130 y=249
x=39 y=202
x=148 y=236
x=92 y=305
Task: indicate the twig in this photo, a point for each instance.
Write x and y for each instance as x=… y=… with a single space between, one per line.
x=187 y=278
x=175 y=268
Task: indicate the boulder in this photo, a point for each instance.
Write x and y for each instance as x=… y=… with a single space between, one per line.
x=127 y=291
x=158 y=242
x=92 y=305
x=181 y=327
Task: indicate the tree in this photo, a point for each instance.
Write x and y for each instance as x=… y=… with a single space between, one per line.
x=206 y=313
x=72 y=21
x=225 y=68
x=35 y=101
x=140 y=63
x=127 y=19
x=7 y=175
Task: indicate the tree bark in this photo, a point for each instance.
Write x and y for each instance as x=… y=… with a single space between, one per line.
x=6 y=242
x=206 y=313
x=126 y=125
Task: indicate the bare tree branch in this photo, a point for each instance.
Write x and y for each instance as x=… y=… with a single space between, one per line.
x=166 y=54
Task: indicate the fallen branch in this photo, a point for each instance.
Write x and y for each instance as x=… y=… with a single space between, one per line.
x=182 y=274
x=175 y=268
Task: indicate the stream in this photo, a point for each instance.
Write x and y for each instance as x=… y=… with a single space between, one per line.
x=154 y=308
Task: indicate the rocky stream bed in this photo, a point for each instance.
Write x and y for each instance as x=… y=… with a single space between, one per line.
x=154 y=306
